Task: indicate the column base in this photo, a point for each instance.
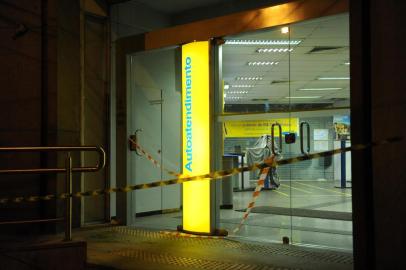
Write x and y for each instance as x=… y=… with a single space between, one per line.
x=216 y=232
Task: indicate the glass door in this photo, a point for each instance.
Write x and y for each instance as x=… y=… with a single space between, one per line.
x=319 y=96
x=254 y=116
x=284 y=92
x=155 y=125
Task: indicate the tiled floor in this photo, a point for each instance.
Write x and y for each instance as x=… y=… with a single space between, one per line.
x=318 y=195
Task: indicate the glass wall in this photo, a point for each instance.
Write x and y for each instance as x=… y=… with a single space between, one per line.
x=280 y=92
x=155 y=123
x=286 y=94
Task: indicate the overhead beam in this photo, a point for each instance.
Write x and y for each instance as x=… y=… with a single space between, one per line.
x=244 y=21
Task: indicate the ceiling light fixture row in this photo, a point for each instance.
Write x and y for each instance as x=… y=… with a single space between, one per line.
x=237 y=92
x=255 y=78
x=273 y=50
x=304 y=97
x=333 y=78
x=261 y=42
x=233 y=98
x=242 y=85
x=320 y=89
x=262 y=63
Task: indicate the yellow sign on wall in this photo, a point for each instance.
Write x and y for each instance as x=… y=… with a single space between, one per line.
x=257 y=128
x=196 y=135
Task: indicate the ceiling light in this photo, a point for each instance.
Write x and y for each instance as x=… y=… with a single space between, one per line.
x=285 y=30
x=226 y=86
x=262 y=63
x=237 y=92
x=347 y=63
x=320 y=89
x=273 y=50
x=333 y=78
x=304 y=97
x=261 y=42
x=255 y=78
x=242 y=85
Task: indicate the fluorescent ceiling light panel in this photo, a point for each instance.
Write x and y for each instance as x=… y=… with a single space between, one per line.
x=254 y=78
x=242 y=85
x=237 y=92
x=333 y=78
x=262 y=63
x=233 y=98
x=226 y=86
x=320 y=89
x=347 y=63
x=304 y=97
x=273 y=50
x=261 y=42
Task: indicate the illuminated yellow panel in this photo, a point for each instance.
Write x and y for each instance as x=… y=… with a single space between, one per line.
x=196 y=135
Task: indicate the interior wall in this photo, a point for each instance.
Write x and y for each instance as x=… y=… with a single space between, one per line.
x=315 y=169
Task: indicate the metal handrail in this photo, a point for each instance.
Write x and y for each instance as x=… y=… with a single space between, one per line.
x=273 y=138
x=68 y=170
x=99 y=165
x=302 y=124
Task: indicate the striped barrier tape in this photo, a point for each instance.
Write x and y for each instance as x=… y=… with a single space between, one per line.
x=255 y=195
x=153 y=161
x=207 y=176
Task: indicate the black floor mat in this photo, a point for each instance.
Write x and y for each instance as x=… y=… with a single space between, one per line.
x=299 y=212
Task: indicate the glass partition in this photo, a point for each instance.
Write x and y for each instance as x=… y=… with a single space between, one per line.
x=255 y=69
x=154 y=120
x=321 y=188
x=293 y=80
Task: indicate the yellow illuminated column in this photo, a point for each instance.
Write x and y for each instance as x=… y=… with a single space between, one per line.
x=196 y=136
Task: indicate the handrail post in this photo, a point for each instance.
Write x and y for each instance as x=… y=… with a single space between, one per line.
x=68 y=200
x=273 y=138
x=302 y=124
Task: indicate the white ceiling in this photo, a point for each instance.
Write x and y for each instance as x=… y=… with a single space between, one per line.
x=303 y=68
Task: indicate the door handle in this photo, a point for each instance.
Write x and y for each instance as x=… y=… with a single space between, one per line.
x=273 y=138
x=136 y=140
x=302 y=124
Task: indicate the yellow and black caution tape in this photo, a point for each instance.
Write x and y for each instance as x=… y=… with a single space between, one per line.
x=258 y=187
x=208 y=176
x=153 y=161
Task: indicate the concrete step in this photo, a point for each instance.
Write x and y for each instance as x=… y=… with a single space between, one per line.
x=59 y=255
